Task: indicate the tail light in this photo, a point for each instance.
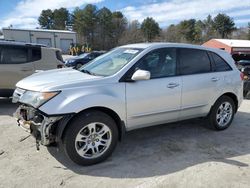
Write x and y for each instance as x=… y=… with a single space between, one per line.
x=242 y=76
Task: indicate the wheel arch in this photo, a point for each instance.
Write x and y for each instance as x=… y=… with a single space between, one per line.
x=233 y=97
x=64 y=123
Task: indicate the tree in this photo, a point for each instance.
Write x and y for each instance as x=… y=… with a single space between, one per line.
x=132 y=34
x=89 y=22
x=240 y=33
x=99 y=28
x=224 y=25
x=119 y=23
x=56 y=19
x=171 y=34
x=104 y=18
x=209 y=31
x=187 y=30
x=150 y=29
x=198 y=36
x=60 y=18
x=248 y=31
x=78 y=23
x=45 y=19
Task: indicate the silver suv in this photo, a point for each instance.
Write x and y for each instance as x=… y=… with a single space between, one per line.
x=88 y=110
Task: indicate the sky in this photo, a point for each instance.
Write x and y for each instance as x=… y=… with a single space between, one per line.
x=24 y=13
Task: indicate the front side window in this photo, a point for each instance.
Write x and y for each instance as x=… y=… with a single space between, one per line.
x=111 y=62
x=160 y=63
x=14 y=55
x=193 y=61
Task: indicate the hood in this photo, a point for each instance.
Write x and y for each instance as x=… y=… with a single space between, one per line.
x=56 y=79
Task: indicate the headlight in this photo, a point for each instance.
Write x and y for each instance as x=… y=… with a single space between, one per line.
x=70 y=61
x=36 y=99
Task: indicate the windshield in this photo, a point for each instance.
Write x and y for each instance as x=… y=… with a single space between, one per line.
x=111 y=62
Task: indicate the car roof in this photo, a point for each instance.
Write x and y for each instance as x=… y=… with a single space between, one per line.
x=14 y=43
x=165 y=44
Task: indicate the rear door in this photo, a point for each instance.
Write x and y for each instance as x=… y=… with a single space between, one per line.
x=14 y=65
x=200 y=85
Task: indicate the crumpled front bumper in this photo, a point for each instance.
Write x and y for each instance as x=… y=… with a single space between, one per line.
x=36 y=123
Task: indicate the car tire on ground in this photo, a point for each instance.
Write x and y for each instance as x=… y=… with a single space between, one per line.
x=90 y=138
x=245 y=93
x=222 y=113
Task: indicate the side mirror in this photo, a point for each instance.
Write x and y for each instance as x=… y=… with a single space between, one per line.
x=141 y=75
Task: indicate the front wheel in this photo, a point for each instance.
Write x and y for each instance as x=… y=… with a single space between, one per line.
x=90 y=138
x=222 y=113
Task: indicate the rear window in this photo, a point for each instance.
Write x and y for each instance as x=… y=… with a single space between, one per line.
x=14 y=55
x=59 y=56
x=193 y=61
x=220 y=64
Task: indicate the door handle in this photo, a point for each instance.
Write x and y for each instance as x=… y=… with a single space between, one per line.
x=172 y=85
x=215 y=79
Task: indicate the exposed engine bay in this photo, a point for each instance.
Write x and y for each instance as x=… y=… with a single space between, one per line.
x=37 y=124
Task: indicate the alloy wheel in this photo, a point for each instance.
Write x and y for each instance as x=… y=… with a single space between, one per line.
x=93 y=140
x=224 y=114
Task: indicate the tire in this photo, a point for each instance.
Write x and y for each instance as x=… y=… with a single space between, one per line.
x=90 y=138
x=245 y=92
x=222 y=113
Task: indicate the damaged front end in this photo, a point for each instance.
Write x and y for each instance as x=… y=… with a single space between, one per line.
x=38 y=124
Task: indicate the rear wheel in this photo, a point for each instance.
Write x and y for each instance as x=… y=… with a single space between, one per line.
x=222 y=113
x=90 y=138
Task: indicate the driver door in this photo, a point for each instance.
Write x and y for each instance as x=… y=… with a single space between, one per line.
x=157 y=100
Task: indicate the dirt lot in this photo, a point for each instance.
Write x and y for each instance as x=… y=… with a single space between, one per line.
x=178 y=155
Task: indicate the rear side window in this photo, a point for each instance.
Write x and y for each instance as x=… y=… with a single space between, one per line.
x=59 y=56
x=14 y=55
x=220 y=64
x=193 y=61
x=35 y=54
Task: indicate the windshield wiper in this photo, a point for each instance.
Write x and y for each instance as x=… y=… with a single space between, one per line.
x=88 y=72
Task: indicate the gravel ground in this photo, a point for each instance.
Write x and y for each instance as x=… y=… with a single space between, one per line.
x=183 y=154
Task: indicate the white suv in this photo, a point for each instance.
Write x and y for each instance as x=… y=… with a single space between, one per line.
x=88 y=110
x=19 y=60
